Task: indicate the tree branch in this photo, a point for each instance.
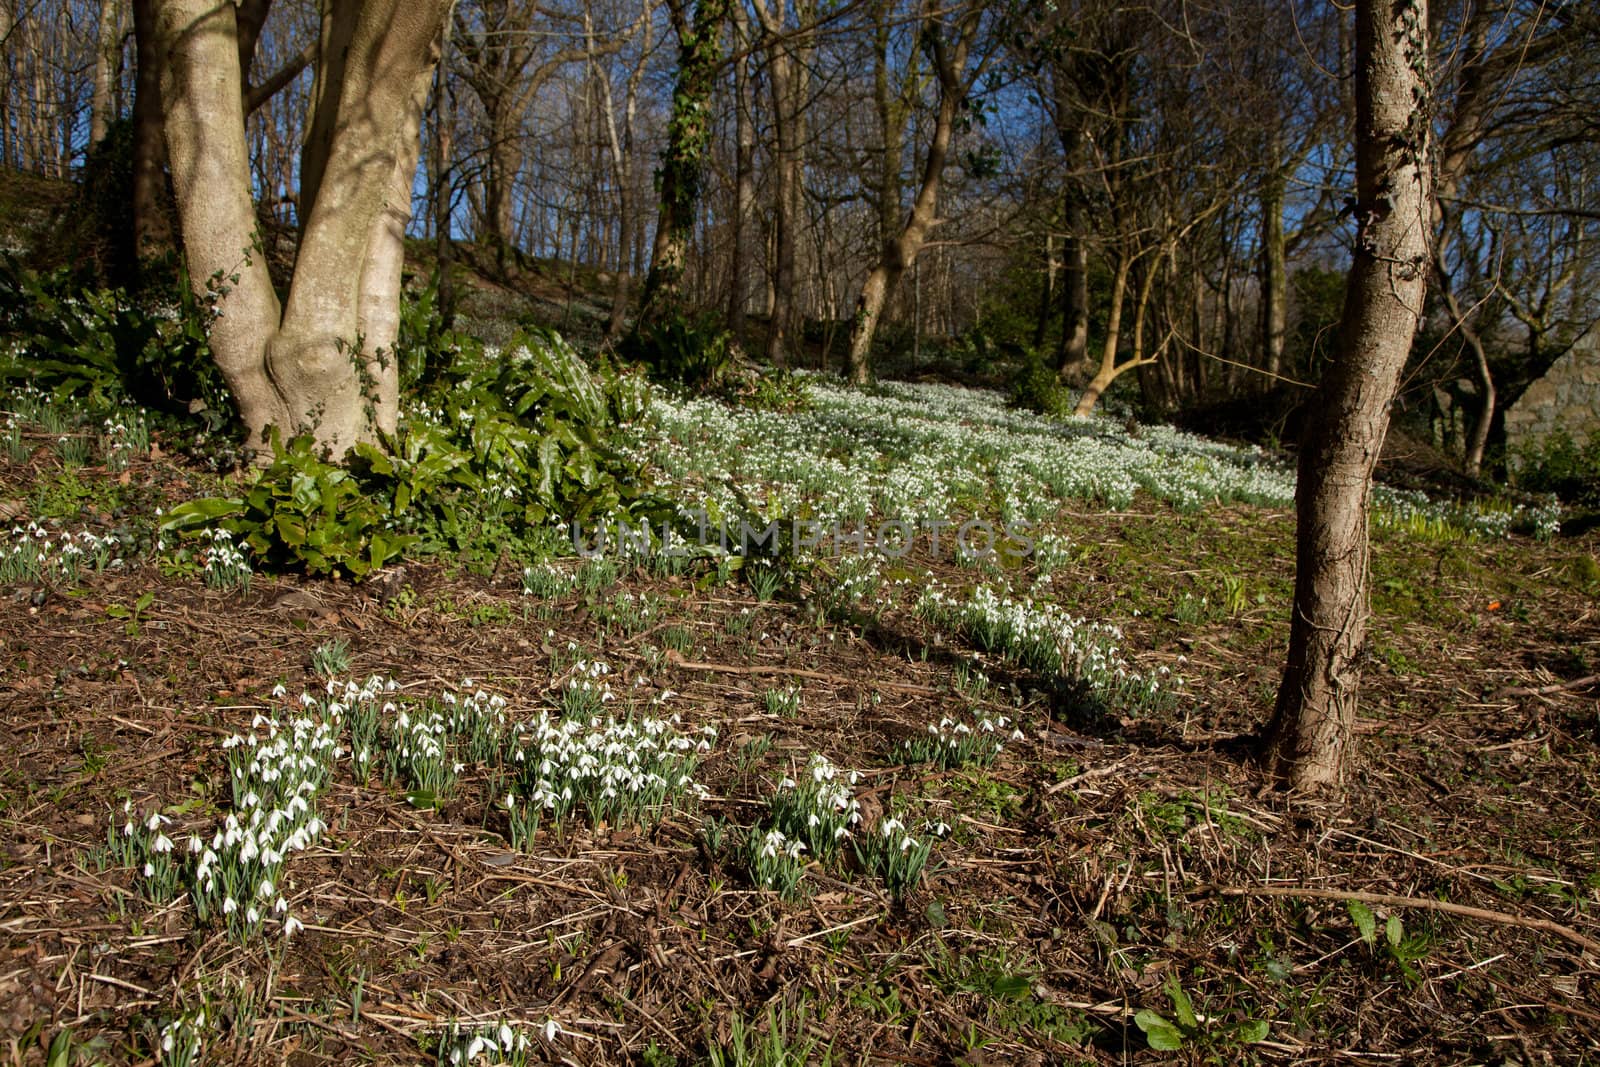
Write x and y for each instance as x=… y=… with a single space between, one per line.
x=256 y=95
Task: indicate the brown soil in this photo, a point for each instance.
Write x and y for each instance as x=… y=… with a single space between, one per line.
x=1093 y=866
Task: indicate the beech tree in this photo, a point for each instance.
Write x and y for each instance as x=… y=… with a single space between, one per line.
x=1309 y=738
x=320 y=361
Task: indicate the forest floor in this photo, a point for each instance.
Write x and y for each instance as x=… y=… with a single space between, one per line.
x=1099 y=872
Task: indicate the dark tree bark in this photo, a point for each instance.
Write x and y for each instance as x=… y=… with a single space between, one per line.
x=744 y=178
x=1308 y=742
x=683 y=162
x=1073 y=359
x=152 y=225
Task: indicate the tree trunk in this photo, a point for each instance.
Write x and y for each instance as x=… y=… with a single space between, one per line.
x=505 y=162
x=1047 y=293
x=441 y=183
x=1109 y=370
x=1309 y=740
x=1478 y=441
x=683 y=162
x=1074 y=358
x=7 y=24
x=744 y=179
x=786 y=178
x=1072 y=362
x=1274 y=278
x=622 y=167
x=900 y=251
x=152 y=228
x=107 y=56
x=322 y=363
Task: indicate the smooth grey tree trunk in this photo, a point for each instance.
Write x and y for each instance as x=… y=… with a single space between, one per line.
x=322 y=362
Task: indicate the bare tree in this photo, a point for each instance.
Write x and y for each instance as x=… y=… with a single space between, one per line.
x=785 y=50
x=622 y=158
x=107 y=61
x=504 y=64
x=958 y=58
x=1309 y=739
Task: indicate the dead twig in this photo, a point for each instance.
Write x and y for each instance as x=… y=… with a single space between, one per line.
x=1545 y=690
x=1390 y=900
x=675 y=659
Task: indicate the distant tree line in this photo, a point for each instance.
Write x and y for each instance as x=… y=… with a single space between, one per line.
x=1110 y=188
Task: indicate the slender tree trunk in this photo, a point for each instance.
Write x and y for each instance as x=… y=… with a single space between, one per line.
x=7 y=25
x=786 y=177
x=744 y=181
x=1047 y=293
x=505 y=163
x=37 y=152
x=1309 y=740
x=107 y=53
x=622 y=175
x=441 y=183
x=901 y=249
x=152 y=227
x=1073 y=359
x=1478 y=439
x=1274 y=278
x=1109 y=369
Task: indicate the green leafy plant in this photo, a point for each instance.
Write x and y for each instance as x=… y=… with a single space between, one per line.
x=104 y=347
x=775 y=861
x=974 y=740
x=500 y=448
x=131 y=614
x=1035 y=387
x=784 y=703
x=1186 y=1027
x=890 y=852
x=696 y=354
x=331 y=658
x=783 y=1043
x=1400 y=949
x=302 y=511
x=776 y=390
x=1561 y=465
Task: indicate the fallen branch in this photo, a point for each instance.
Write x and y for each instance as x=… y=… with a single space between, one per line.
x=1390 y=900
x=676 y=659
x=1543 y=690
